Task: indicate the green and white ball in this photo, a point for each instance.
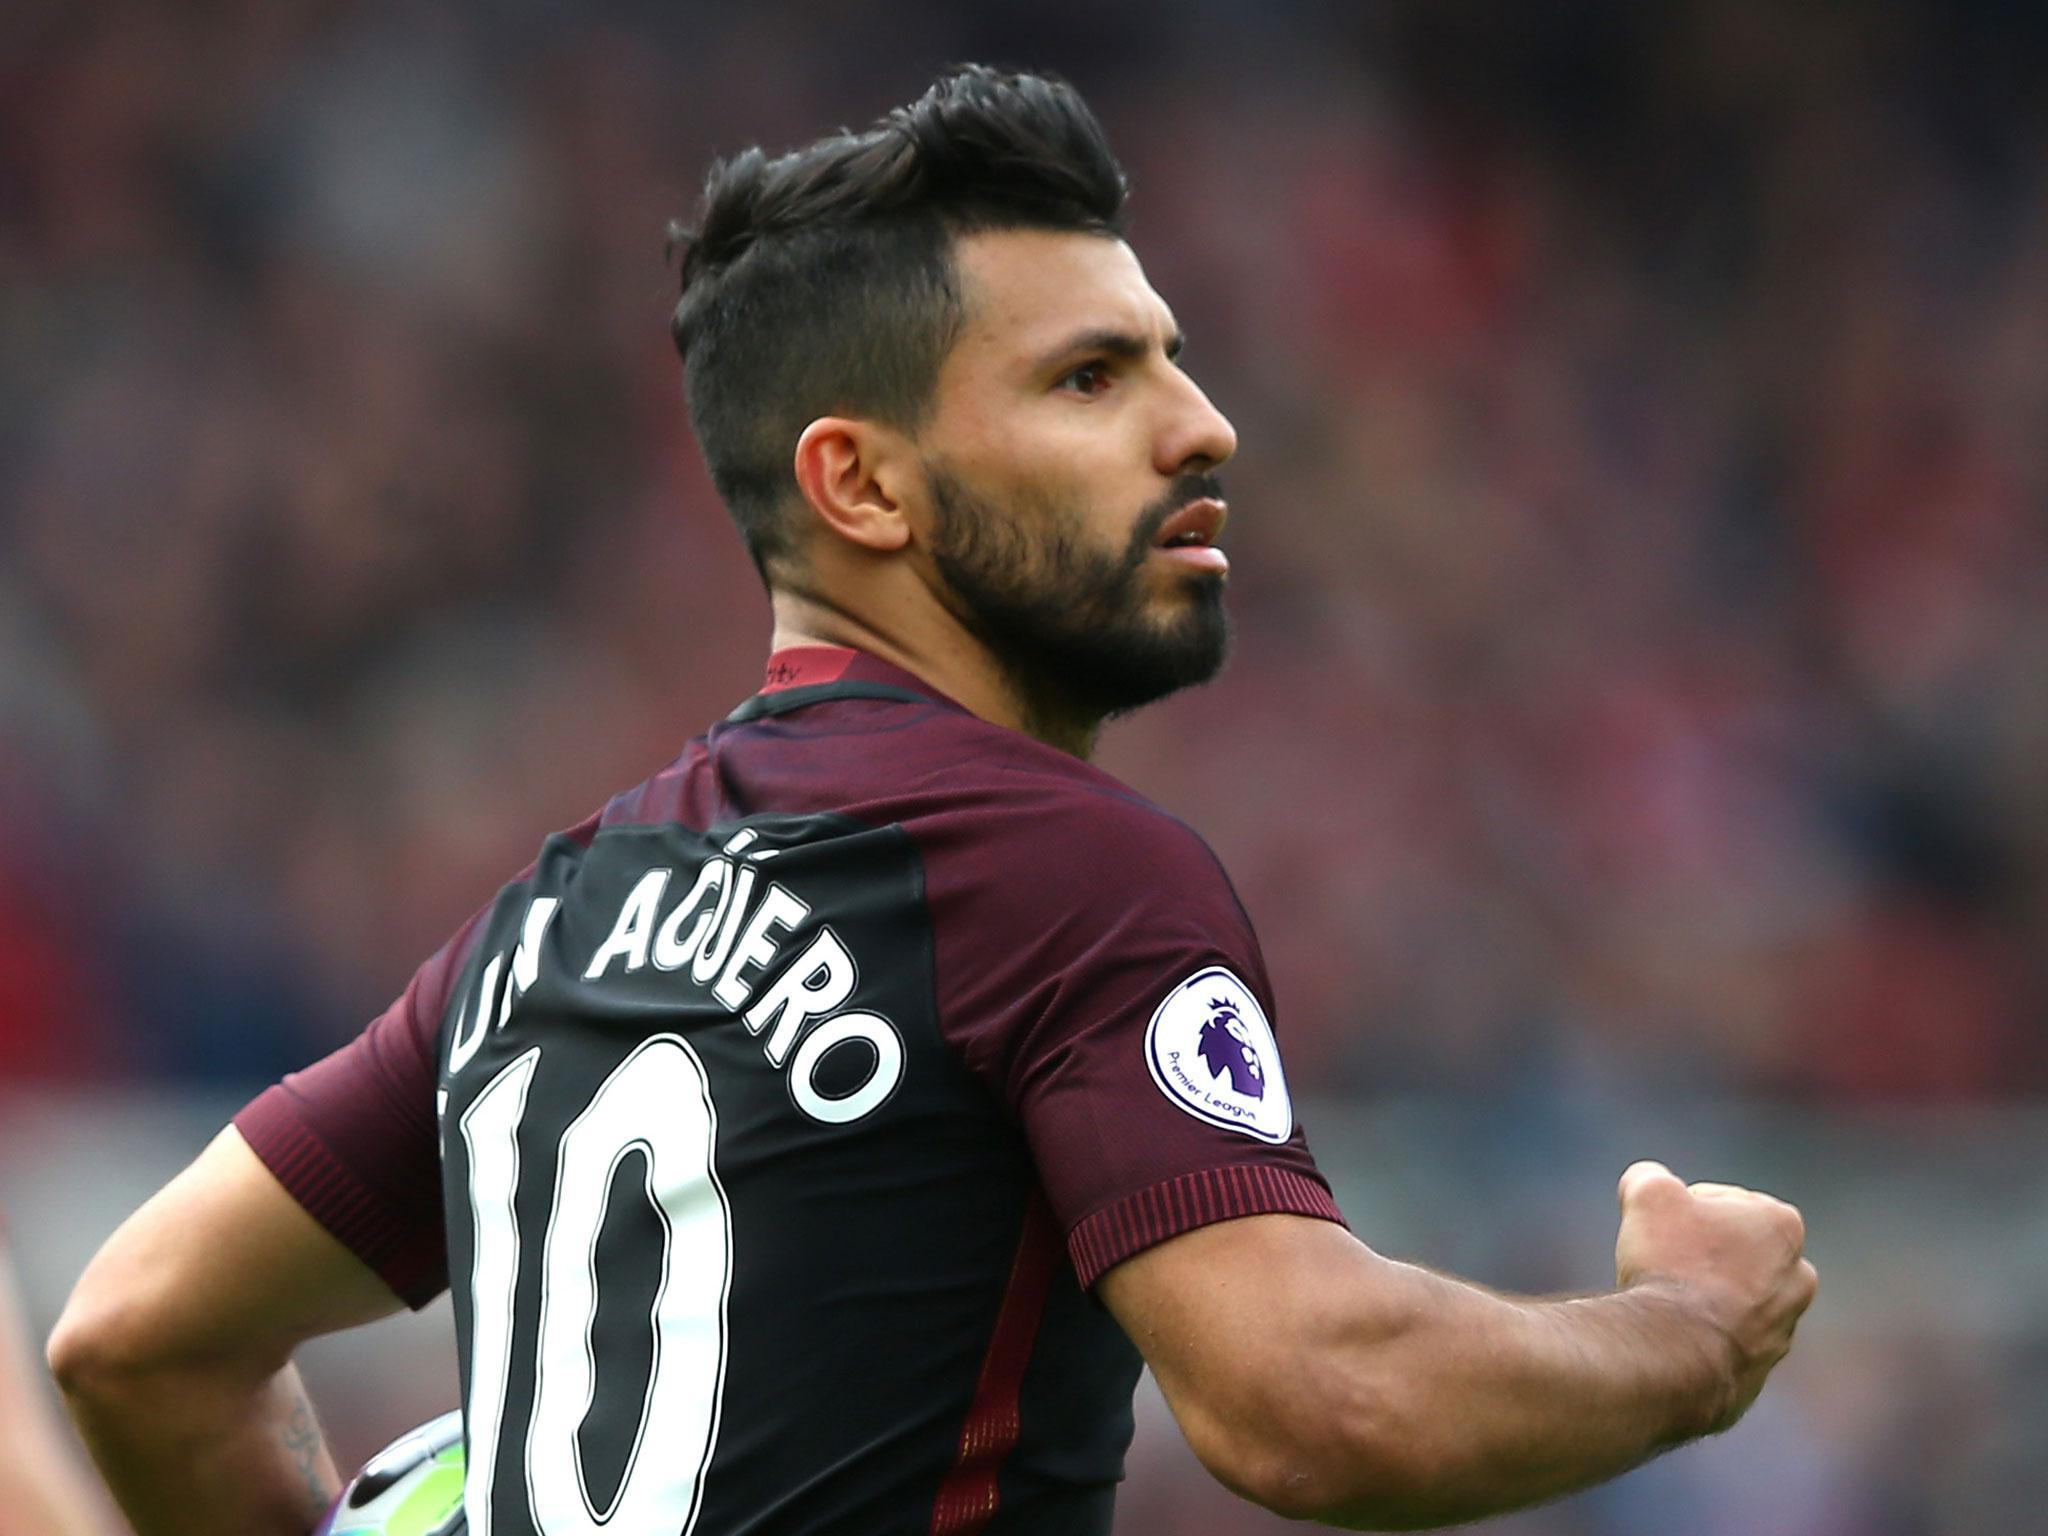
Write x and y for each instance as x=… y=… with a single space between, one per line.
x=413 y=1487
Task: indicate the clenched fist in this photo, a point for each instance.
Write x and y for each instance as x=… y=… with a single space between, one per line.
x=1732 y=1257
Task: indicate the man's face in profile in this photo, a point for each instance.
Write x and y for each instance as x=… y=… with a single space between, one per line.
x=1072 y=506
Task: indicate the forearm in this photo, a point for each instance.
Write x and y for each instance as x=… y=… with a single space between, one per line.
x=174 y=1351
x=1468 y=1403
x=205 y=1452
x=1328 y=1383
x=1372 y=1394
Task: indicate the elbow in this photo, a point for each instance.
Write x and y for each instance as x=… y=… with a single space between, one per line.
x=139 y=1334
x=96 y=1345
x=118 y=1341
x=1338 y=1452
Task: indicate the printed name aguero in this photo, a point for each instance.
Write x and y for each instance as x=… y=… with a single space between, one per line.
x=724 y=937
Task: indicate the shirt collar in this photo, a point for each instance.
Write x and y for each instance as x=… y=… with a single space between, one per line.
x=806 y=666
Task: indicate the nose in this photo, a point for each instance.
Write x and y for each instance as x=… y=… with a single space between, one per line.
x=1195 y=435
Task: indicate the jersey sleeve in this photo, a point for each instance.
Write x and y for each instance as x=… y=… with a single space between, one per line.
x=1096 y=970
x=353 y=1136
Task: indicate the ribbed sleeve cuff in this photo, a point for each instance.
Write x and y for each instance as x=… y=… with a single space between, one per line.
x=1152 y=1215
x=338 y=1200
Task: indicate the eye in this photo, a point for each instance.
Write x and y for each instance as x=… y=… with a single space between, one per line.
x=1091 y=378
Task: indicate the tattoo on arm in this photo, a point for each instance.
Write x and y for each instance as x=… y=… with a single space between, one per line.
x=300 y=1437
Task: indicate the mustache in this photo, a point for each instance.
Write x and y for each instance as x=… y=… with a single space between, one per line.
x=1197 y=486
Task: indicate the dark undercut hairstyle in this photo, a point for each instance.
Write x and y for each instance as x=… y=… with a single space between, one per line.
x=822 y=282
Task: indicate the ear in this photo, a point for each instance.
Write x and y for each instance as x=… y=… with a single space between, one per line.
x=851 y=472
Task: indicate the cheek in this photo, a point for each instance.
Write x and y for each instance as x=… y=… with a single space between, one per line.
x=1062 y=444
x=1057 y=471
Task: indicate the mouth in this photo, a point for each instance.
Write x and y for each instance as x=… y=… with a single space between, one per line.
x=1189 y=536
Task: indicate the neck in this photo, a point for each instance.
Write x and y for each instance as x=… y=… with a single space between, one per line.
x=942 y=653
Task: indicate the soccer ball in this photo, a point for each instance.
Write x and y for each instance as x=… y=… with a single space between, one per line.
x=413 y=1487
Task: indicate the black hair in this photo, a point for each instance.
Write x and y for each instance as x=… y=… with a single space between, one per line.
x=821 y=282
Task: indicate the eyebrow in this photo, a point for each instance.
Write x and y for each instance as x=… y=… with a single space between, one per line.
x=1127 y=345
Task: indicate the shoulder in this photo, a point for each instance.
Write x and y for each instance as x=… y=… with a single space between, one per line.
x=1033 y=820
x=1054 y=884
x=424 y=1006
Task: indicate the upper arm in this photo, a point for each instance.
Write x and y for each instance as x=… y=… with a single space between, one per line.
x=1097 y=973
x=220 y=1268
x=355 y=1140
x=1253 y=1329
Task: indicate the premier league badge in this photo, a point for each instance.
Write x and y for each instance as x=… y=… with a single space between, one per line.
x=1212 y=1052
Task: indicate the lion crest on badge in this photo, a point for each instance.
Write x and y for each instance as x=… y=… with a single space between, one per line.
x=1226 y=1047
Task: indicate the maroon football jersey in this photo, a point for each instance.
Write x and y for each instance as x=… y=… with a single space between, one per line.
x=770 y=1129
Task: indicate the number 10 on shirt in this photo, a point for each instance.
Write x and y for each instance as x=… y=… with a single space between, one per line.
x=656 y=1103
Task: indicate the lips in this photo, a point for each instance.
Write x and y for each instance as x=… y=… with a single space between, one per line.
x=1188 y=537
x=1194 y=525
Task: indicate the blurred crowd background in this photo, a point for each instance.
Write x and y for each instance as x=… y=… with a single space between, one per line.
x=1639 y=716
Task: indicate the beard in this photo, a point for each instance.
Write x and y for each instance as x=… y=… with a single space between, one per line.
x=1068 y=622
